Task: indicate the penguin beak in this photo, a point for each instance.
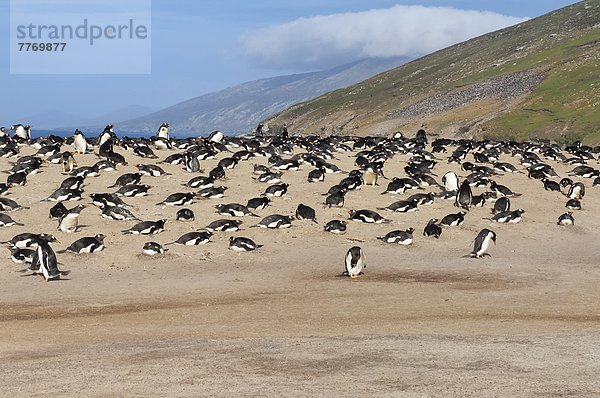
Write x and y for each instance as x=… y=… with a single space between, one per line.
x=494 y=240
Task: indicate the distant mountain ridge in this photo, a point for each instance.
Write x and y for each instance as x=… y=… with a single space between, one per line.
x=537 y=79
x=240 y=108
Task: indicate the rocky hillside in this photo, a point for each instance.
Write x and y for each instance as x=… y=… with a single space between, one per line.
x=539 y=79
x=242 y=107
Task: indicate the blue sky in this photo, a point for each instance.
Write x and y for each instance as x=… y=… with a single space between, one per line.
x=199 y=46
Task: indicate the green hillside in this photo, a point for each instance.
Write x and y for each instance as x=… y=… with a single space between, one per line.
x=538 y=79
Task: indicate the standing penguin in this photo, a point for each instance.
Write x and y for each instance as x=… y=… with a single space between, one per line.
x=80 y=142
x=482 y=241
x=370 y=176
x=69 y=222
x=163 y=131
x=464 y=197
x=47 y=263
x=68 y=162
x=354 y=263
x=450 y=181
x=192 y=165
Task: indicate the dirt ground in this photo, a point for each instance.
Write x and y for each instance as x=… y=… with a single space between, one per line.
x=204 y=321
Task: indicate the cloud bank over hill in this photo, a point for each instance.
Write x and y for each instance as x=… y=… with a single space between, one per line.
x=327 y=40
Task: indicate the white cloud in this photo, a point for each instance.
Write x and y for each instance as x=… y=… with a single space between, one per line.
x=330 y=40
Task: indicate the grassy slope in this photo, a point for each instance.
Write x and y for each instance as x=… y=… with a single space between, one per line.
x=563 y=44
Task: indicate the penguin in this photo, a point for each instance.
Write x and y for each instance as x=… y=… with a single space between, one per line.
x=72 y=183
x=185 y=215
x=400 y=237
x=224 y=225
x=45 y=262
x=259 y=169
x=69 y=222
x=144 y=152
x=234 y=210
x=16 y=180
x=216 y=136
x=68 y=162
x=270 y=178
x=163 y=131
x=21 y=132
x=10 y=205
x=450 y=181
x=276 y=190
x=304 y=212
x=118 y=213
x=464 y=196
x=453 y=220
x=550 y=185
x=241 y=244
x=147 y=228
x=133 y=190
x=127 y=179
x=193 y=238
x=482 y=242
x=401 y=185
x=212 y=193
x=402 y=206
x=62 y=194
x=335 y=200
x=337 y=227
x=367 y=216
x=88 y=244
x=275 y=221
x=151 y=170
x=228 y=163
x=192 y=165
x=80 y=142
x=423 y=199
x=28 y=239
x=316 y=175
x=502 y=190
x=354 y=262
x=179 y=199
x=153 y=248
x=573 y=204
x=566 y=219
x=370 y=176
x=432 y=229
x=217 y=173
x=21 y=256
x=502 y=204
x=258 y=203
x=7 y=221
x=57 y=211
x=106 y=199
x=201 y=182
x=512 y=217
x=576 y=191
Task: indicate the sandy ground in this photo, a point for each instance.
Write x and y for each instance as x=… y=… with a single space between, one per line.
x=205 y=321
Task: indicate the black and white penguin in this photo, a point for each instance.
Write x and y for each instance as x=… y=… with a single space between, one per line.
x=127 y=179
x=45 y=262
x=62 y=194
x=151 y=170
x=216 y=136
x=270 y=178
x=367 y=216
x=68 y=162
x=212 y=193
x=576 y=191
x=276 y=190
x=432 y=229
x=337 y=227
x=185 y=215
x=133 y=190
x=573 y=204
x=217 y=173
x=335 y=200
x=163 y=131
x=354 y=262
x=454 y=219
x=304 y=212
x=88 y=244
x=193 y=238
x=118 y=213
x=450 y=181
x=179 y=199
x=147 y=228
x=464 y=196
x=370 y=176
x=72 y=183
x=10 y=205
x=21 y=256
x=7 y=221
x=502 y=189
x=402 y=206
x=275 y=221
x=153 y=248
x=21 y=132
x=201 y=182
x=224 y=225
x=550 y=185
x=566 y=219
x=16 y=179
x=69 y=222
x=234 y=210
x=400 y=185
x=241 y=244
x=192 y=165
x=502 y=204
x=28 y=239
x=482 y=242
x=512 y=217
x=400 y=237
x=106 y=199
x=258 y=203
x=316 y=175
x=80 y=142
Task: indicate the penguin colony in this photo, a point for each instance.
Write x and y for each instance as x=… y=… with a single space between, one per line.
x=481 y=162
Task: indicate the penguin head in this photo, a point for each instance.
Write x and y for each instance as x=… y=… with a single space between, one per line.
x=99 y=237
